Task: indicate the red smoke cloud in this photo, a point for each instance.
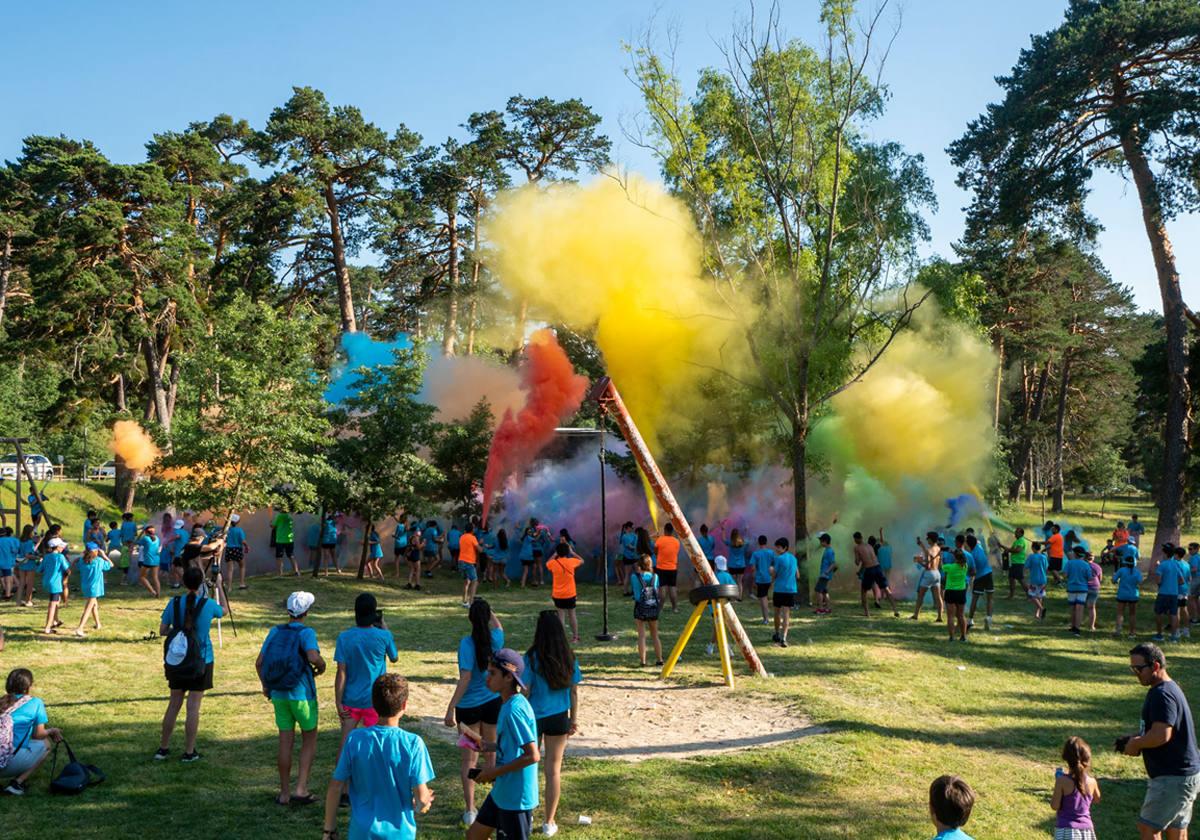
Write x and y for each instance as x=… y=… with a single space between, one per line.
x=554 y=392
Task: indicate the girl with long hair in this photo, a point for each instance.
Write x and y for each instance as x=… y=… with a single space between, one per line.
x=737 y=560
x=552 y=673
x=646 y=608
x=29 y=730
x=473 y=704
x=1074 y=793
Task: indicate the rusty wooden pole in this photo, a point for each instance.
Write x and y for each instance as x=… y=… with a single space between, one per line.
x=606 y=393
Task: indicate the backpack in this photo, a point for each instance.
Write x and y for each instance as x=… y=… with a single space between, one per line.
x=284 y=661
x=75 y=776
x=183 y=659
x=7 y=748
x=647 y=607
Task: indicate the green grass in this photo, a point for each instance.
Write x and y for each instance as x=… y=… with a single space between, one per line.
x=901 y=705
x=67 y=502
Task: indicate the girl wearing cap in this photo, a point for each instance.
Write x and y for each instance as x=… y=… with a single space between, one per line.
x=509 y=807
x=236 y=548
x=92 y=566
x=55 y=569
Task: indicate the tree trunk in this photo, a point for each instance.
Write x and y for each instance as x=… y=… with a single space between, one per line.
x=450 y=333
x=1060 y=426
x=471 y=307
x=345 y=294
x=1034 y=414
x=799 y=455
x=366 y=542
x=173 y=384
x=157 y=393
x=1175 y=435
x=5 y=271
x=125 y=479
x=522 y=315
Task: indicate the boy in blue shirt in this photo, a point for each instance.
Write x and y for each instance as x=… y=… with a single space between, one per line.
x=1127 y=578
x=708 y=544
x=386 y=769
x=55 y=569
x=1078 y=573
x=1192 y=561
x=761 y=560
x=431 y=539
x=984 y=584
x=128 y=539
x=509 y=807
x=1170 y=579
x=1037 y=564
x=629 y=557
x=236 y=548
x=825 y=575
x=296 y=705
x=9 y=546
x=454 y=543
x=721 y=567
x=950 y=802
x=785 y=573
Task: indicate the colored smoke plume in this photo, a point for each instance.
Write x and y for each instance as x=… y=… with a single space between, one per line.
x=456 y=384
x=554 y=392
x=360 y=351
x=625 y=261
x=131 y=444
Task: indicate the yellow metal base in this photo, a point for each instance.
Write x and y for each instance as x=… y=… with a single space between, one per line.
x=686 y=635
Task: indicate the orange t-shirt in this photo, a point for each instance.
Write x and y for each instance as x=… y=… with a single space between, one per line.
x=467 y=547
x=667 y=550
x=1120 y=538
x=562 y=569
x=1054 y=545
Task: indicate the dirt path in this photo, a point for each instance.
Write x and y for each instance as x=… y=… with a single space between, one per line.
x=682 y=721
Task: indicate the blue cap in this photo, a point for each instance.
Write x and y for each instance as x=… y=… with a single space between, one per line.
x=507 y=659
x=92 y=546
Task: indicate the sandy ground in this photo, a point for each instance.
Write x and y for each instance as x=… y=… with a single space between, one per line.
x=712 y=719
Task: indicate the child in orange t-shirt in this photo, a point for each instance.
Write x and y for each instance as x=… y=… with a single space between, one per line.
x=468 y=551
x=562 y=569
x=666 y=550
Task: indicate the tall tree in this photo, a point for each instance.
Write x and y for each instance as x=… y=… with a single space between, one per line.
x=339 y=160
x=1117 y=85
x=803 y=220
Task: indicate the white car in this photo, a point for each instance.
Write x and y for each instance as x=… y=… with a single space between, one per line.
x=39 y=466
x=106 y=470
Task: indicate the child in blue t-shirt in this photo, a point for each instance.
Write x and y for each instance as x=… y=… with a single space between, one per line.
x=721 y=564
x=92 y=566
x=1127 y=578
x=761 y=560
x=9 y=546
x=824 y=576
x=950 y=803
x=509 y=807
x=386 y=770
x=55 y=570
x=1036 y=566
x=375 y=557
x=27 y=565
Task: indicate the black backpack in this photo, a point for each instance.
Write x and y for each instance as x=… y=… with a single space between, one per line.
x=75 y=776
x=183 y=659
x=647 y=606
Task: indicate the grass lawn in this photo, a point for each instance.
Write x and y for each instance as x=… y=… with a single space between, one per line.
x=901 y=705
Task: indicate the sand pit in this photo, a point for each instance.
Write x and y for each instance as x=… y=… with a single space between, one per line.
x=685 y=721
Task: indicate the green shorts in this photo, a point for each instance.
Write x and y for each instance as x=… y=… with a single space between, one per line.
x=288 y=713
x=126 y=555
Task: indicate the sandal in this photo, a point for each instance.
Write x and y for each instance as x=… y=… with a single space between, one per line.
x=306 y=799
x=279 y=800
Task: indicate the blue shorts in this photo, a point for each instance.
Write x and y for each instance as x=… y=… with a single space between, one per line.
x=822 y=585
x=468 y=571
x=1166 y=605
x=6 y=573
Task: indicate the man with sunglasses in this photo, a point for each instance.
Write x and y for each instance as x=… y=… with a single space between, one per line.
x=1166 y=742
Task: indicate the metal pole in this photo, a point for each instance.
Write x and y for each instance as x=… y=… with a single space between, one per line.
x=605 y=636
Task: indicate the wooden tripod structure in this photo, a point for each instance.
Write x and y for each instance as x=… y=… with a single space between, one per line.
x=605 y=393
x=20 y=502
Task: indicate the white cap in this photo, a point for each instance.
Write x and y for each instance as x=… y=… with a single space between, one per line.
x=722 y=563
x=57 y=542
x=298 y=603
x=235 y=518
x=179 y=523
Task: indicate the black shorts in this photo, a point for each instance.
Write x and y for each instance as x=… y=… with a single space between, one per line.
x=488 y=713
x=872 y=577
x=331 y=545
x=142 y=565
x=565 y=604
x=234 y=555
x=285 y=548
x=629 y=561
x=537 y=555
x=761 y=590
x=528 y=562
x=668 y=577
x=785 y=599
x=955 y=596
x=737 y=573
x=1016 y=571
x=509 y=825
x=1127 y=600
x=414 y=555
x=203 y=683
x=1055 y=564
x=559 y=724
x=984 y=583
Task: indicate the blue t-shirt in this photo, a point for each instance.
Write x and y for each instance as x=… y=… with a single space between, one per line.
x=1036 y=565
x=9 y=546
x=1168 y=573
x=28 y=554
x=827 y=563
x=235 y=537
x=400 y=536
x=453 y=538
x=114 y=539
x=1185 y=572
x=383 y=764
x=737 y=557
x=306 y=640
x=516 y=728
x=91 y=576
x=785 y=573
x=1129 y=550
x=25 y=720
x=202 y=622
x=1079 y=572
x=547 y=701
x=526 y=548
x=429 y=535
x=477 y=691
x=708 y=545
x=151 y=548
x=883 y=553
x=1194 y=564
x=629 y=546
x=328 y=532
x=128 y=532
x=762 y=559
x=1127 y=579
x=1136 y=528
x=643 y=579
x=376 y=548
x=87 y=528
x=54 y=565
x=365 y=652
x=953 y=834
x=977 y=561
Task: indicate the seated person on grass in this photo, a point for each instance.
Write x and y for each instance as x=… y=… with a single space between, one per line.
x=28 y=750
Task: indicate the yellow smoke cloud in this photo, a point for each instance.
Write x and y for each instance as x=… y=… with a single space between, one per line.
x=131 y=443
x=624 y=260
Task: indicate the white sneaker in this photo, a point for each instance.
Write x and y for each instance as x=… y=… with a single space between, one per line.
x=970 y=624
x=549 y=829
x=709 y=650
x=468 y=817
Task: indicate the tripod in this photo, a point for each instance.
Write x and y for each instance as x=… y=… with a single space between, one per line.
x=217 y=582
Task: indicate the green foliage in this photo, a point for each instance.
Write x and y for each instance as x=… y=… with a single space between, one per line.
x=460 y=452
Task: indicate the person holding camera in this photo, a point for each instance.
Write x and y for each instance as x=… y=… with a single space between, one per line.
x=1166 y=741
x=361 y=654
x=287 y=666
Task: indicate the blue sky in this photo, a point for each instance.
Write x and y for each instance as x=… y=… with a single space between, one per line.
x=117 y=72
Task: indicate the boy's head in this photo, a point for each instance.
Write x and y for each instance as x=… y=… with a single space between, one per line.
x=950 y=802
x=1180 y=552
x=112 y=526
x=669 y=529
x=299 y=603
x=1120 y=524
x=126 y=517
x=704 y=529
x=1133 y=518
x=871 y=541
x=506 y=670
x=932 y=536
x=1037 y=546
x=91 y=514
x=1020 y=532
x=1194 y=548
x=781 y=545
x=1056 y=529
x=366 y=610
x=562 y=550
x=971 y=540
x=960 y=540
x=825 y=539
x=762 y=540
x=389 y=695
x=857 y=537
x=627 y=527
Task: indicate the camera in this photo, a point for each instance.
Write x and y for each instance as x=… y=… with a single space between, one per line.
x=1120 y=743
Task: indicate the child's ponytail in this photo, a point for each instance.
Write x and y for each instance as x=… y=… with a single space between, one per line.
x=1078 y=756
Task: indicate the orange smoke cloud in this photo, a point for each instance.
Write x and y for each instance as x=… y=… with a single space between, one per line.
x=131 y=444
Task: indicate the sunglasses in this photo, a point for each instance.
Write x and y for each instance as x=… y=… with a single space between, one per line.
x=1138 y=668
